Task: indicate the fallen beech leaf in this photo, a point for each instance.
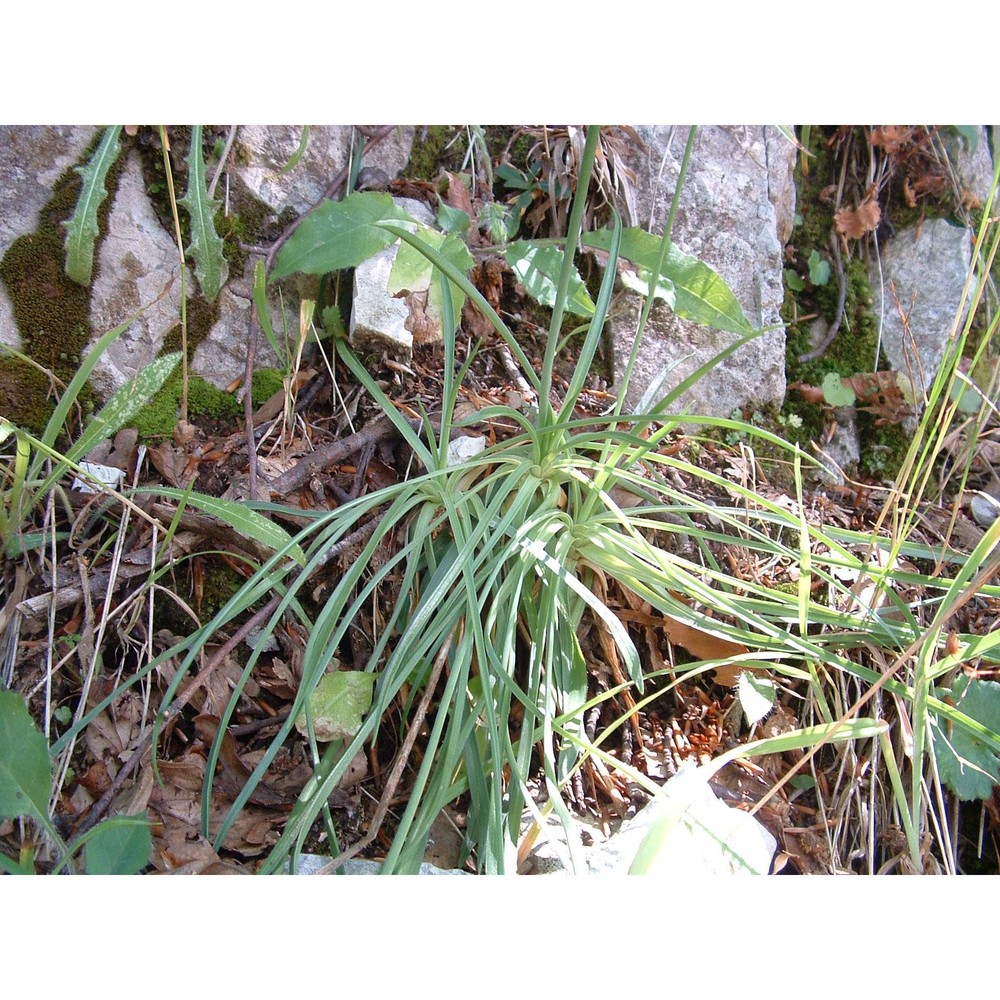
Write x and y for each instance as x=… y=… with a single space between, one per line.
x=855 y=222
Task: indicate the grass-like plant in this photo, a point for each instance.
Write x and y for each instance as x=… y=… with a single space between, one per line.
x=500 y=560
x=492 y=566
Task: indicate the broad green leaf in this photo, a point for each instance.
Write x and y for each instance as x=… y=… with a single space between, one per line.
x=124 y=404
x=513 y=178
x=206 y=244
x=339 y=234
x=756 y=696
x=538 y=269
x=694 y=290
x=25 y=766
x=82 y=228
x=453 y=220
x=338 y=705
x=413 y=272
x=118 y=846
x=793 y=281
x=247 y=522
x=970 y=133
x=819 y=269
x=836 y=392
x=967 y=395
x=967 y=765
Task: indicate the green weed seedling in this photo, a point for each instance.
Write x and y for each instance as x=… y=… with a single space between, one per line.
x=119 y=845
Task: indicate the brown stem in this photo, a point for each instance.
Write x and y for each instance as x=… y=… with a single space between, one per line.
x=818 y=352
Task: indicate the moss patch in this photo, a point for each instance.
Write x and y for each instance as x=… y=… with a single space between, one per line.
x=430 y=151
x=159 y=416
x=25 y=394
x=51 y=311
x=853 y=350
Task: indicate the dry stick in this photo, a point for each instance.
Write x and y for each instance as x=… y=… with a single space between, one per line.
x=818 y=352
x=343 y=448
x=102 y=805
x=335 y=184
x=398 y=766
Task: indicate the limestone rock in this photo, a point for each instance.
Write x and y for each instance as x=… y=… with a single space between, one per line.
x=32 y=158
x=924 y=270
x=973 y=167
x=268 y=148
x=378 y=320
x=137 y=262
x=737 y=195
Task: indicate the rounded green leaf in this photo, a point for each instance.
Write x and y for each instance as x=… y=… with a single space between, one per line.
x=119 y=846
x=836 y=392
x=25 y=767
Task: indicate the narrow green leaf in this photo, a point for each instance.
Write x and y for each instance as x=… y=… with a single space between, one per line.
x=25 y=766
x=82 y=228
x=538 y=268
x=264 y=310
x=339 y=234
x=120 y=845
x=238 y=516
x=698 y=293
x=293 y=160
x=206 y=245
x=124 y=404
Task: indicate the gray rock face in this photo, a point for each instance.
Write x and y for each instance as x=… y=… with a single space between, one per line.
x=737 y=198
x=924 y=270
x=32 y=157
x=270 y=147
x=138 y=257
x=137 y=261
x=973 y=167
x=378 y=320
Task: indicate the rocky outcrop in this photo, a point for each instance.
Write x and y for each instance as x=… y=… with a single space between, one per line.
x=734 y=214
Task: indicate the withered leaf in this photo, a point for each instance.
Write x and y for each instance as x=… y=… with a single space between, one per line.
x=855 y=222
x=173 y=464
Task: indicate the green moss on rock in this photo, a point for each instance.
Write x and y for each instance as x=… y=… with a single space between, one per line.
x=52 y=312
x=430 y=151
x=159 y=417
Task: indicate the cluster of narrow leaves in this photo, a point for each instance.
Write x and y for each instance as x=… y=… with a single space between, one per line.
x=82 y=229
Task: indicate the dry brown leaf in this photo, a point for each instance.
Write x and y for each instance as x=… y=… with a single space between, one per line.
x=856 y=222
x=893 y=139
x=178 y=807
x=458 y=195
x=420 y=322
x=174 y=465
